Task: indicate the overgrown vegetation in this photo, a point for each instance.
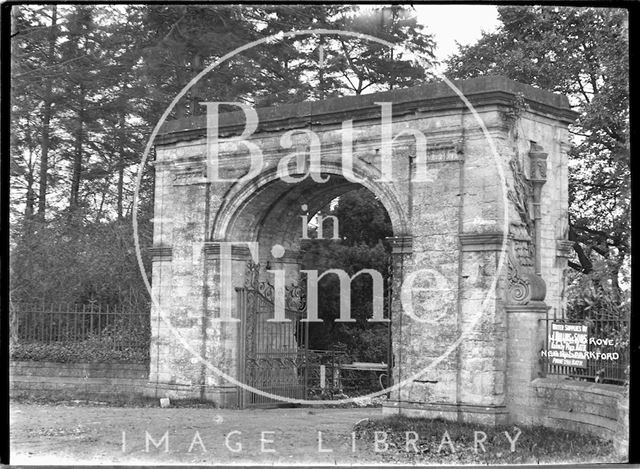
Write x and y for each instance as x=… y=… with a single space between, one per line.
x=62 y=262
x=95 y=349
x=364 y=225
x=535 y=445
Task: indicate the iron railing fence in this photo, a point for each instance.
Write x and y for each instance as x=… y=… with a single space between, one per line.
x=607 y=357
x=107 y=327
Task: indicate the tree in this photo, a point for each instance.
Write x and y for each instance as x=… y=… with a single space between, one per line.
x=363 y=64
x=90 y=82
x=35 y=93
x=582 y=53
x=363 y=220
x=183 y=40
x=83 y=88
x=48 y=100
x=364 y=223
x=75 y=123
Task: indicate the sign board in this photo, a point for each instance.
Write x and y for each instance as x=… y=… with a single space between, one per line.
x=568 y=344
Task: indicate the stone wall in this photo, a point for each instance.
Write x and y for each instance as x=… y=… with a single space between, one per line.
x=119 y=382
x=584 y=407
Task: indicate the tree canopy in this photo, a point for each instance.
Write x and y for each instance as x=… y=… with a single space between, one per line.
x=364 y=224
x=89 y=82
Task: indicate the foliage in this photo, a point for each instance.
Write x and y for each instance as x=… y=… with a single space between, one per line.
x=75 y=263
x=593 y=295
x=95 y=349
x=362 y=219
x=356 y=65
x=184 y=39
x=594 y=301
x=363 y=225
x=535 y=445
x=89 y=82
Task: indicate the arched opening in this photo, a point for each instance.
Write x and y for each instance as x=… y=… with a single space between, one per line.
x=364 y=226
x=293 y=226
x=359 y=351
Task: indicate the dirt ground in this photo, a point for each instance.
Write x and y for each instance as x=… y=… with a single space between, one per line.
x=61 y=434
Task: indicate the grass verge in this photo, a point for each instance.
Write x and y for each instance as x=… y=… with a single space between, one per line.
x=407 y=440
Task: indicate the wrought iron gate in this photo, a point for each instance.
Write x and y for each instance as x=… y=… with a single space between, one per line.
x=274 y=353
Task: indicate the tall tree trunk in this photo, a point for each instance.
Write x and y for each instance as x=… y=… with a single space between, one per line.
x=104 y=196
x=121 y=165
x=15 y=53
x=46 y=117
x=182 y=107
x=77 y=157
x=28 y=211
x=321 y=64
x=196 y=67
x=616 y=290
x=120 y=191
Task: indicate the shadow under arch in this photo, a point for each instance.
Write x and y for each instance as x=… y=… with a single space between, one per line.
x=269 y=206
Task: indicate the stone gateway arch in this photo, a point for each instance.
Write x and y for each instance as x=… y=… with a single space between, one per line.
x=479 y=237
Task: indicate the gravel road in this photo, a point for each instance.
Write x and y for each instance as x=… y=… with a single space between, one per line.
x=64 y=434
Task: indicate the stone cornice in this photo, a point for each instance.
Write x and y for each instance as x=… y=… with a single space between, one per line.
x=161 y=253
x=189 y=176
x=536 y=307
x=448 y=407
x=290 y=257
x=481 y=92
x=401 y=244
x=479 y=241
x=441 y=149
x=239 y=252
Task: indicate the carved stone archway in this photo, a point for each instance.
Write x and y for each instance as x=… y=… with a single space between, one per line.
x=449 y=233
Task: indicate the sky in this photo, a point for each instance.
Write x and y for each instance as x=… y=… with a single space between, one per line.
x=461 y=23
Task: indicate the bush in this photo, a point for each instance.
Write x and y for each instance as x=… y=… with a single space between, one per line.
x=94 y=349
x=78 y=263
